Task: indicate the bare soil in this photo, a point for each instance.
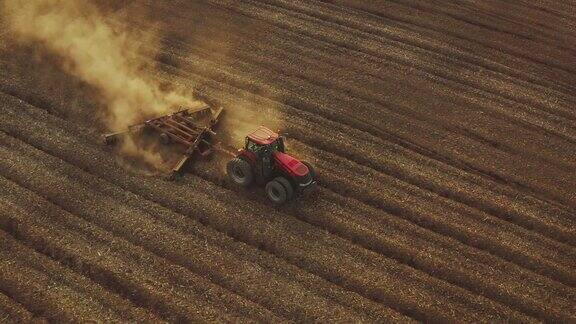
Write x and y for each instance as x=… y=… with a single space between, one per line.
x=443 y=133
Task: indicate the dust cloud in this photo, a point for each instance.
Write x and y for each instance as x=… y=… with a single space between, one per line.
x=245 y=112
x=100 y=52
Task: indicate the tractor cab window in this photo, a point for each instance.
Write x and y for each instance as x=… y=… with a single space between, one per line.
x=278 y=145
x=251 y=146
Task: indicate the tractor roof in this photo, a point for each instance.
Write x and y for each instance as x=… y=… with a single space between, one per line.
x=263 y=136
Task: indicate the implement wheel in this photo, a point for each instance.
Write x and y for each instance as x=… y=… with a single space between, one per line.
x=165 y=139
x=240 y=172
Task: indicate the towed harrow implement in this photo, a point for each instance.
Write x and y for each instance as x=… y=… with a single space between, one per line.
x=191 y=128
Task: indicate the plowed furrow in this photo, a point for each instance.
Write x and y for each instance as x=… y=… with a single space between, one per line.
x=447 y=259
x=501 y=18
x=519 y=20
x=149 y=288
x=92 y=184
x=287 y=19
x=560 y=150
x=560 y=9
x=372 y=189
x=242 y=280
x=111 y=305
x=442 y=133
x=452 y=184
x=458 y=150
x=518 y=46
x=487 y=128
x=385 y=192
x=416 y=41
x=402 y=33
x=50 y=290
x=407 y=55
x=211 y=238
x=534 y=23
x=13 y=312
x=474 y=160
x=77 y=189
x=529 y=224
x=535 y=98
x=490 y=173
x=467 y=37
x=347 y=183
x=297 y=242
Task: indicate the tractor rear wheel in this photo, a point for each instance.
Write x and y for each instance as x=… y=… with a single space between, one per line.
x=276 y=192
x=240 y=172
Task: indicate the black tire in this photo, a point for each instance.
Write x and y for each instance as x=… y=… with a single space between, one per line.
x=240 y=172
x=288 y=186
x=276 y=192
x=310 y=169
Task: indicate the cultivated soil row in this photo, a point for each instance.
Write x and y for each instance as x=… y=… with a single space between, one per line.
x=443 y=135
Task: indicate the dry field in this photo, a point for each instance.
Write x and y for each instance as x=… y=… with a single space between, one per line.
x=444 y=134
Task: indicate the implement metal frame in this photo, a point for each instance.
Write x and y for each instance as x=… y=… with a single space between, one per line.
x=181 y=127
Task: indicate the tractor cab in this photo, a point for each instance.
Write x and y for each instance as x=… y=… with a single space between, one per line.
x=260 y=149
x=264 y=160
x=264 y=140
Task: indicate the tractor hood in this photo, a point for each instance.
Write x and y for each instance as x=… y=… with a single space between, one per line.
x=296 y=167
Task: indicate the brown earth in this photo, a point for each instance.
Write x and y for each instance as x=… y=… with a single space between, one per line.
x=443 y=132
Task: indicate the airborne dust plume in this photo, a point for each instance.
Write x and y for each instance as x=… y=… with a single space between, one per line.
x=102 y=54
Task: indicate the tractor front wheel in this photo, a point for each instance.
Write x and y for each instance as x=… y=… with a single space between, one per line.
x=240 y=172
x=310 y=169
x=276 y=192
x=288 y=186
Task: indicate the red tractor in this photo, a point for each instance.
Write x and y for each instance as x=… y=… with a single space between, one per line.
x=263 y=161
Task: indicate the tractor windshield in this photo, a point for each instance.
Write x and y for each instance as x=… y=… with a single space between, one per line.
x=277 y=145
x=251 y=146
